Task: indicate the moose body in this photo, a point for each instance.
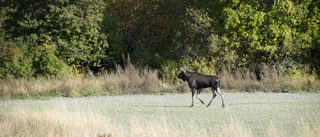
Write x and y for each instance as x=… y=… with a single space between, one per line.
x=197 y=81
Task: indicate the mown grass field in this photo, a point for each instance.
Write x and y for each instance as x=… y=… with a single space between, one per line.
x=246 y=114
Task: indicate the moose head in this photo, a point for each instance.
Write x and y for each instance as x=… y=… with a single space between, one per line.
x=183 y=72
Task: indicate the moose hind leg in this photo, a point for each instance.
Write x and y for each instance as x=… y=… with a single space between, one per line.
x=198 y=95
x=214 y=95
x=220 y=93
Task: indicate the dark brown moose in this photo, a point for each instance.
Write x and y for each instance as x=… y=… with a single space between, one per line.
x=197 y=81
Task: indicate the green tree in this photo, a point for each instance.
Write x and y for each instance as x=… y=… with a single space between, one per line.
x=272 y=32
x=60 y=32
x=197 y=38
x=77 y=33
x=148 y=27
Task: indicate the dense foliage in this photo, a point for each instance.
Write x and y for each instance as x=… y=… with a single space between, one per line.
x=52 y=37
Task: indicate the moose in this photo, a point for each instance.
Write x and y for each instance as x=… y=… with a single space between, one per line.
x=197 y=81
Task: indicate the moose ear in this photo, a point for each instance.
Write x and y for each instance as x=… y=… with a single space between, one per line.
x=182 y=69
x=190 y=68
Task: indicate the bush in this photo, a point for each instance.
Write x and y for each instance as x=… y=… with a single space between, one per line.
x=23 y=58
x=15 y=60
x=9 y=62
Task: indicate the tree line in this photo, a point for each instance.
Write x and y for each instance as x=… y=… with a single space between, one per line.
x=53 y=37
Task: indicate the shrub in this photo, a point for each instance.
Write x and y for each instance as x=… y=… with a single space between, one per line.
x=14 y=60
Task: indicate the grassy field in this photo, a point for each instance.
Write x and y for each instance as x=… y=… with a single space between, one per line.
x=246 y=114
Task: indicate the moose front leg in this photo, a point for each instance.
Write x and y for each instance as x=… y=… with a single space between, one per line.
x=192 y=91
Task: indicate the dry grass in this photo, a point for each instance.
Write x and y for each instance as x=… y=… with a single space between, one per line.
x=55 y=122
x=23 y=122
x=125 y=80
x=235 y=129
x=131 y=79
x=303 y=130
x=271 y=80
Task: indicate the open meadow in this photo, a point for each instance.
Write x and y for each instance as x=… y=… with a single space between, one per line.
x=110 y=68
x=245 y=114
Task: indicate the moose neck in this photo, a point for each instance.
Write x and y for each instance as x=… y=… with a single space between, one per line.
x=188 y=75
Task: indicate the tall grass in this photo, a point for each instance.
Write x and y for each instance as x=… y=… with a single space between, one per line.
x=270 y=80
x=124 y=80
x=131 y=79
x=25 y=122
x=54 y=122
